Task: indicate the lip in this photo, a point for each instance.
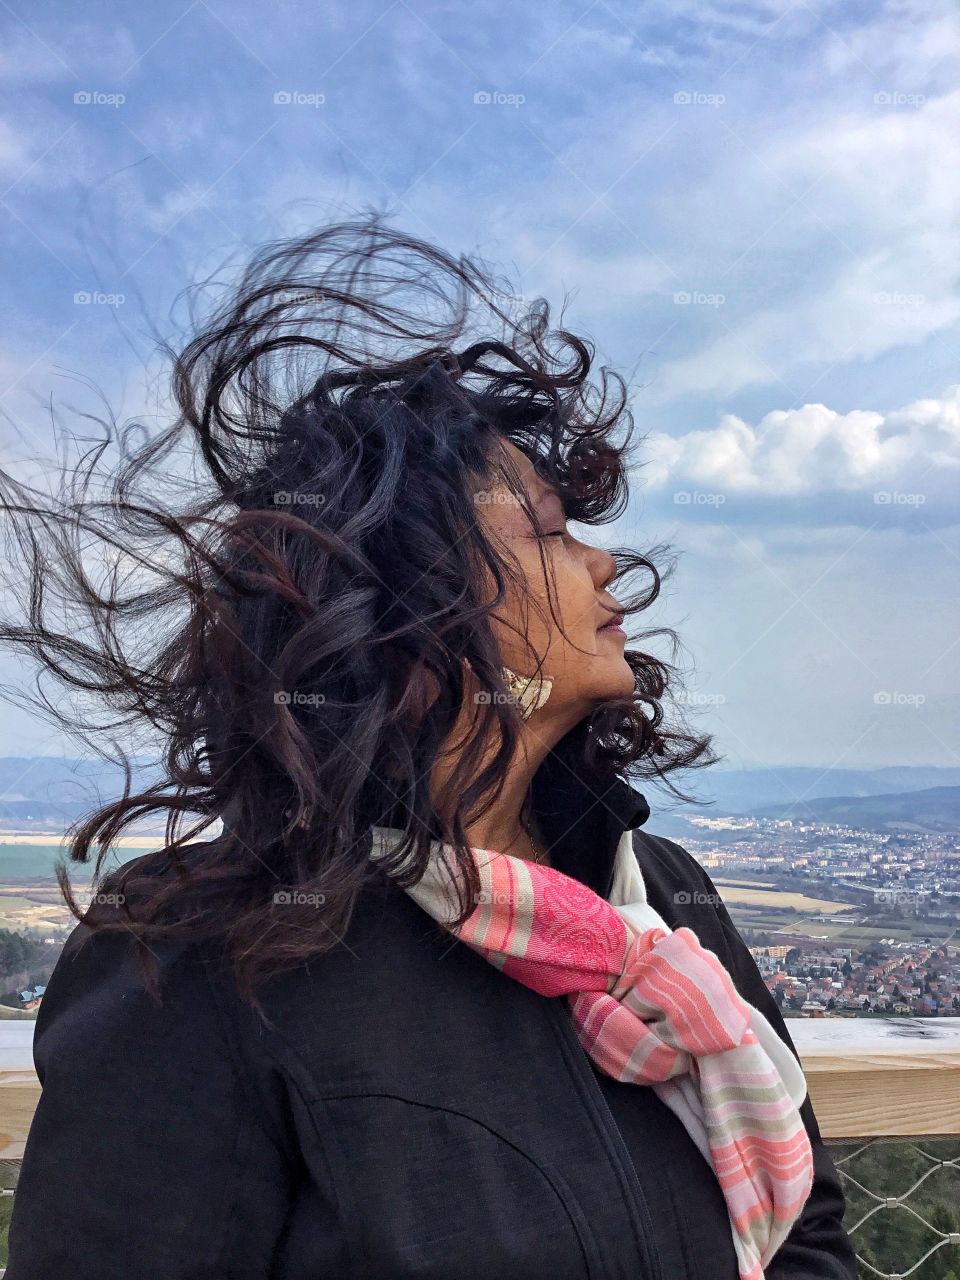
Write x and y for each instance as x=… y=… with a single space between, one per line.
x=615 y=624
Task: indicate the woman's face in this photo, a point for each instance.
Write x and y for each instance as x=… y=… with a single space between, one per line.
x=582 y=656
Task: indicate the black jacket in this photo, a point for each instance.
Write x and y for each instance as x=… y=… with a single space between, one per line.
x=414 y=1113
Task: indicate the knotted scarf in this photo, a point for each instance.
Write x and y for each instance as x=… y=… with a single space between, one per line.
x=651 y=1006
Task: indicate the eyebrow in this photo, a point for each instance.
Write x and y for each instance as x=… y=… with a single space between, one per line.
x=548 y=505
x=545 y=494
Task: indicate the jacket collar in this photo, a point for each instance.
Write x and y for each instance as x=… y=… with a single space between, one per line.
x=583 y=816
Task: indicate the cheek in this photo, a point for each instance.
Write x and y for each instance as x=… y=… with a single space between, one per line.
x=575 y=606
x=574 y=601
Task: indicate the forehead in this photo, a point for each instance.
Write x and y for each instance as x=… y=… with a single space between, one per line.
x=505 y=513
x=535 y=486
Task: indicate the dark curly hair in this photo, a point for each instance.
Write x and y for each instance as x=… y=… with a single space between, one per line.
x=296 y=631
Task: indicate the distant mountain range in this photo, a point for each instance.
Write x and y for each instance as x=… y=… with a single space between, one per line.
x=935 y=809
x=909 y=798
x=749 y=790
x=45 y=793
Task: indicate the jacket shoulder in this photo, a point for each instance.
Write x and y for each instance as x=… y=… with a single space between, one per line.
x=96 y=989
x=159 y=1091
x=664 y=863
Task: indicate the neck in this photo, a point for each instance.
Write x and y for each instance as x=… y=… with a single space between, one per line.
x=501 y=828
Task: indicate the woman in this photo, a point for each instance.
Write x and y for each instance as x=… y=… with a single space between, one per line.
x=428 y=1001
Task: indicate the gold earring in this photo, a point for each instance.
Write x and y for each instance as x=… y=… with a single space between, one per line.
x=530 y=692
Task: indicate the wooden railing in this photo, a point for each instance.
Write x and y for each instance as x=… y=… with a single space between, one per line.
x=19 y=1086
x=868 y=1077
x=881 y=1077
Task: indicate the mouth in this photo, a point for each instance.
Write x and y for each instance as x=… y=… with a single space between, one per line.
x=614 y=624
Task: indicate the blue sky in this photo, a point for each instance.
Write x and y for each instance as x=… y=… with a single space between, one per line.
x=753 y=209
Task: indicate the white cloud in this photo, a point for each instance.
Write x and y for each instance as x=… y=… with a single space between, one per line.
x=874 y=237
x=814 y=449
x=909 y=39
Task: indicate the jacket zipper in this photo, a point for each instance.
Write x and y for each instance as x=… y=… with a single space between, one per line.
x=616 y=1147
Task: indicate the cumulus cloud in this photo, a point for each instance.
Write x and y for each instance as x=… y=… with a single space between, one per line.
x=814 y=449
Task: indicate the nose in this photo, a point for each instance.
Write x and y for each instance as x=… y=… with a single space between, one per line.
x=603 y=566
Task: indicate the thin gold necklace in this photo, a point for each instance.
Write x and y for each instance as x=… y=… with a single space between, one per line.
x=539 y=852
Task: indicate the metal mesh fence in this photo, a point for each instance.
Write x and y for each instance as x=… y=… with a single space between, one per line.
x=8 y=1180
x=903 y=1205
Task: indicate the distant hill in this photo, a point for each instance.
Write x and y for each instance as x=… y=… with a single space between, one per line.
x=749 y=790
x=805 y=792
x=934 y=809
x=46 y=793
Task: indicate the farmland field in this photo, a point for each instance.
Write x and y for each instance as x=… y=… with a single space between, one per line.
x=748 y=897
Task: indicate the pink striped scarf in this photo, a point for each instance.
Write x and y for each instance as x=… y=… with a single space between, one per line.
x=652 y=1006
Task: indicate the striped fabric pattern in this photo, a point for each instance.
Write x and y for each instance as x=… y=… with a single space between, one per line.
x=651 y=1006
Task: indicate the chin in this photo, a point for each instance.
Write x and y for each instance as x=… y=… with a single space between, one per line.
x=613 y=680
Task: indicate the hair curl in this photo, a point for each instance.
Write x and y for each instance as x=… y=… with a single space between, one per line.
x=283 y=587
